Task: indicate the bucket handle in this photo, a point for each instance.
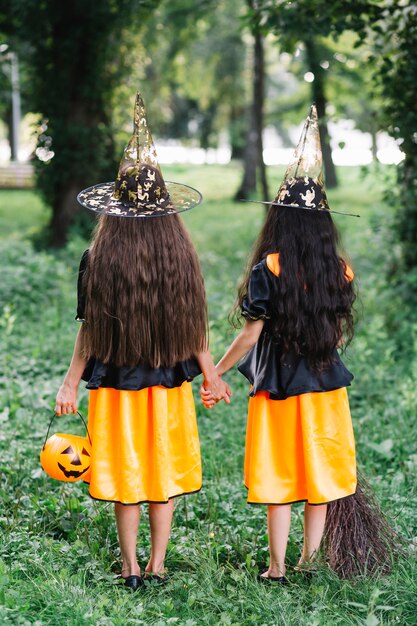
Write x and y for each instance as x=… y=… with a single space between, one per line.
x=50 y=424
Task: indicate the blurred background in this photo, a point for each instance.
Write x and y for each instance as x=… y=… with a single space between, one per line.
x=227 y=85
x=223 y=80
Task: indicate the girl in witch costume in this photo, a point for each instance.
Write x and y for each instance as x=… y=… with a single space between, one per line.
x=143 y=338
x=297 y=298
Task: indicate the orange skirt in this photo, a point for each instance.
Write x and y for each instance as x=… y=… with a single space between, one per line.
x=145 y=445
x=300 y=449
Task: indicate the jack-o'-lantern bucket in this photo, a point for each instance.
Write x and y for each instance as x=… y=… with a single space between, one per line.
x=66 y=457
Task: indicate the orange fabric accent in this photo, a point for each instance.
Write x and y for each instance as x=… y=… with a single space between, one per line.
x=272 y=261
x=145 y=444
x=301 y=448
x=349 y=273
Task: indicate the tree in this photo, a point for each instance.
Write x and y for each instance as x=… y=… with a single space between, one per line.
x=314 y=60
x=350 y=89
x=350 y=84
x=10 y=81
x=75 y=61
x=396 y=62
x=307 y=21
x=199 y=71
x=253 y=162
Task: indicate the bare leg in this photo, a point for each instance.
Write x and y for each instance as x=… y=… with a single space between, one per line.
x=127 y=521
x=314 y=520
x=279 y=521
x=160 y=519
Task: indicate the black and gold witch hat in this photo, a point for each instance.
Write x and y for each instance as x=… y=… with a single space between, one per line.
x=139 y=189
x=303 y=187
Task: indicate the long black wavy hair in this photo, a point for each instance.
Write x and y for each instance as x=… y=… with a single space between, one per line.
x=312 y=308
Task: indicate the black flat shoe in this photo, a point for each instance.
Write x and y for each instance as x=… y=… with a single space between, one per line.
x=134 y=582
x=278 y=580
x=156 y=579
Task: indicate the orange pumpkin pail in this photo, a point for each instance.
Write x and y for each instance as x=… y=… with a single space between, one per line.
x=66 y=457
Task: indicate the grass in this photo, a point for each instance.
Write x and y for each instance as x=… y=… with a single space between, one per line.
x=22 y=213
x=58 y=548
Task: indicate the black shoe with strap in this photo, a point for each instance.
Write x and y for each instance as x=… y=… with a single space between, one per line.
x=134 y=582
x=278 y=580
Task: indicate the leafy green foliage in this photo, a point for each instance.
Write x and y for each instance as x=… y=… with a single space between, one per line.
x=199 y=71
x=389 y=28
x=291 y=20
x=59 y=556
x=73 y=54
x=396 y=62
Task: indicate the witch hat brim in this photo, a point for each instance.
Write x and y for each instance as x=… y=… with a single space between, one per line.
x=139 y=189
x=100 y=199
x=302 y=186
x=295 y=206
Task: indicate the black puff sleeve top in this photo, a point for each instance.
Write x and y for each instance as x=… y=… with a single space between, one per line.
x=98 y=374
x=264 y=366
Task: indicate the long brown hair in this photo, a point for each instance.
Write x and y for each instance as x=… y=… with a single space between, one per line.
x=145 y=297
x=312 y=305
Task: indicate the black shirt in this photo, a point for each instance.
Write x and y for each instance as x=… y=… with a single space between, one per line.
x=264 y=366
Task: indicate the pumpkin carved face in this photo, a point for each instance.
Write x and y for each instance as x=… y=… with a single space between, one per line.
x=66 y=457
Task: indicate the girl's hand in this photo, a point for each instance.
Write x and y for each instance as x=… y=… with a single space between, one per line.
x=214 y=391
x=226 y=392
x=66 y=400
x=207 y=397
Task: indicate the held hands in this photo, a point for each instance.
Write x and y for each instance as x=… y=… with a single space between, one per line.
x=212 y=391
x=66 y=400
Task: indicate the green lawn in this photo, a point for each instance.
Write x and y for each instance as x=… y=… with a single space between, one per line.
x=22 y=213
x=58 y=548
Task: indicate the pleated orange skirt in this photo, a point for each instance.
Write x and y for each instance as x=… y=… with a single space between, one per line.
x=300 y=449
x=145 y=445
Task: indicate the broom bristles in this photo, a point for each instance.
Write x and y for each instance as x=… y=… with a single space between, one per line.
x=358 y=539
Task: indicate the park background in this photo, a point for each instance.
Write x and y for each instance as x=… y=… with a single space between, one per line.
x=227 y=84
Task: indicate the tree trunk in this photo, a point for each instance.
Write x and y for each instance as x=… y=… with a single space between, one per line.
x=253 y=156
x=374 y=147
x=259 y=98
x=319 y=97
x=64 y=210
x=248 y=184
x=206 y=126
x=407 y=218
x=12 y=144
x=236 y=131
x=72 y=180
x=374 y=131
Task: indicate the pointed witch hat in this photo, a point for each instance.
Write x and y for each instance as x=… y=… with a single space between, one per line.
x=139 y=189
x=302 y=187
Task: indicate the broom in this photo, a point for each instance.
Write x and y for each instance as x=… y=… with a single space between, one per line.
x=358 y=539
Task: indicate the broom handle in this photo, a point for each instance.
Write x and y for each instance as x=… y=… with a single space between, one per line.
x=50 y=424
